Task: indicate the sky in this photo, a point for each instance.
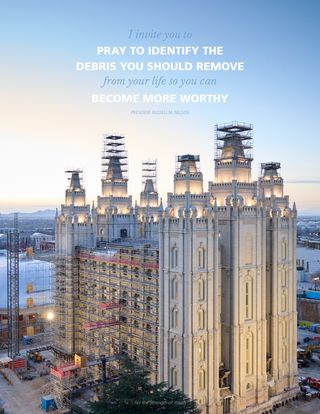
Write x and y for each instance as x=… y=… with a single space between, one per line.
x=48 y=123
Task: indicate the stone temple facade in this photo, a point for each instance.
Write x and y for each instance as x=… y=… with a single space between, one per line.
x=203 y=289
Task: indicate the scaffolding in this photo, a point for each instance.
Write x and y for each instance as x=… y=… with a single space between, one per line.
x=72 y=378
x=149 y=173
x=65 y=305
x=118 y=302
x=13 y=289
x=106 y=305
x=114 y=157
x=237 y=135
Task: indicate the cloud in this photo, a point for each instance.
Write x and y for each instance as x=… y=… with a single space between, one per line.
x=302 y=181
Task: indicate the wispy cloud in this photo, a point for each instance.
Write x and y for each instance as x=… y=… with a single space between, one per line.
x=303 y=181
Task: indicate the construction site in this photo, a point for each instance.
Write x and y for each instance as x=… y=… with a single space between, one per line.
x=105 y=294
x=174 y=289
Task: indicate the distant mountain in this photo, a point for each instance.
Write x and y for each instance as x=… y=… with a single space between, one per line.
x=40 y=214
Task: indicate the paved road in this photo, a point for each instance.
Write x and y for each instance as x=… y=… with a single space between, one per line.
x=301 y=407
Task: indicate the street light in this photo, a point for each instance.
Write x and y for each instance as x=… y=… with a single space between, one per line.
x=50 y=316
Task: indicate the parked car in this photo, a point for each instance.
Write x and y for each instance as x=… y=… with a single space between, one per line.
x=303 y=363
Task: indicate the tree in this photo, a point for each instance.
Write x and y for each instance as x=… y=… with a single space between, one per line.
x=134 y=394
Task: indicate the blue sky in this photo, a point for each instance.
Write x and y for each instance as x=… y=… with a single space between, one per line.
x=48 y=123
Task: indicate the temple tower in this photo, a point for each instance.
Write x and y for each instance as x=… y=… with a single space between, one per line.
x=149 y=202
x=116 y=218
x=189 y=288
x=74 y=228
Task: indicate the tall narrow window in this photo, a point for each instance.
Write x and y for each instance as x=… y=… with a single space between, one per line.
x=284 y=250
x=174 y=257
x=284 y=302
x=174 y=377
x=201 y=289
x=174 y=318
x=202 y=350
x=174 y=288
x=284 y=330
x=136 y=301
x=248 y=299
x=284 y=353
x=123 y=299
x=284 y=277
x=201 y=318
x=113 y=295
x=201 y=257
x=148 y=304
x=202 y=379
x=249 y=356
x=174 y=348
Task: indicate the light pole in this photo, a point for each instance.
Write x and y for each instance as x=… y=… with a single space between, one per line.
x=315 y=282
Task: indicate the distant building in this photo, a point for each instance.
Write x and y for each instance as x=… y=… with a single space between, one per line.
x=308 y=293
x=39 y=240
x=311 y=242
x=35 y=296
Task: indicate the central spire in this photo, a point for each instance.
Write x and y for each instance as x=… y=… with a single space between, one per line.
x=114 y=166
x=149 y=194
x=188 y=177
x=233 y=152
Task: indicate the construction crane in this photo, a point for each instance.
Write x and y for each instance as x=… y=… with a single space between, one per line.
x=13 y=289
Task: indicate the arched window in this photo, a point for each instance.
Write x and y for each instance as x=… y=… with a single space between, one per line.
x=201 y=318
x=136 y=301
x=174 y=288
x=174 y=257
x=249 y=353
x=284 y=330
x=283 y=250
x=284 y=353
x=114 y=294
x=202 y=400
x=201 y=258
x=174 y=348
x=174 y=318
x=248 y=298
x=148 y=304
x=202 y=350
x=284 y=302
x=202 y=379
x=123 y=233
x=284 y=277
x=174 y=377
x=201 y=289
x=123 y=299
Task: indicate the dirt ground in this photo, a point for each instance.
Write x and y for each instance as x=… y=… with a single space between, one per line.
x=21 y=398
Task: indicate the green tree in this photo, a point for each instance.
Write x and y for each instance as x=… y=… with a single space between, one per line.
x=134 y=394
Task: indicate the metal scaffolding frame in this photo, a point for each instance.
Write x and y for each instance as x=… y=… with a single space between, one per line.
x=106 y=302
x=13 y=289
x=118 y=302
x=149 y=172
